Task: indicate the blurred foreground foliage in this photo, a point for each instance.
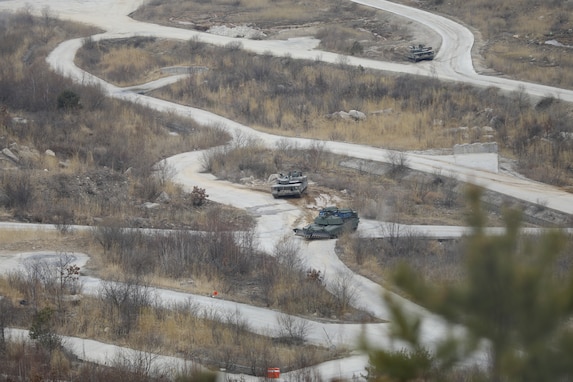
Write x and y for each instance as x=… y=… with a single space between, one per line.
x=516 y=311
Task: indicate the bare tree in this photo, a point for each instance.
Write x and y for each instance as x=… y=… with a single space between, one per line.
x=67 y=274
x=238 y=324
x=398 y=162
x=138 y=364
x=124 y=301
x=287 y=252
x=38 y=279
x=164 y=172
x=316 y=153
x=292 y=329
x=344 y=292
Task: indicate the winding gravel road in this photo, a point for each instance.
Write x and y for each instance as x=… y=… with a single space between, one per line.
x=276 y=217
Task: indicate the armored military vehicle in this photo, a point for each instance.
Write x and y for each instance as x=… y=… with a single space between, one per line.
x=293 y=183
x=330 y=223
x=420 y=52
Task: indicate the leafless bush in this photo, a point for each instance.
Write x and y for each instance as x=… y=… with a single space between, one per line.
x=149 y=187
x=228 y=357
x=287 y=253
x=246 y=157
x=315 y=155
x=450 y=194
x=238 y=324
x=137 y=364
x=293 y=330
x=64 y=220
x=398 y=161
x=400 y=241
x=47 y=279
x=345 y=292
x=123 y=301
x=175 y=253
x=222 y=253
x=234 y=46
x=259 y=356
x=362 y=248
x=19 y=190
x=108 y=236
x=214 y=159
x=164 y=172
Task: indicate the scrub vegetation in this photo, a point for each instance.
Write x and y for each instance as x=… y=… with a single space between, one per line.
x=86 y=159
x=305 y=99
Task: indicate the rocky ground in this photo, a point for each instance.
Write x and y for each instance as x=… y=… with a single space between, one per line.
x=382 y=36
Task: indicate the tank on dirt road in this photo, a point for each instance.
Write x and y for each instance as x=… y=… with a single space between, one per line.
x=420 y=52
x=293 y=183
x=330 y=223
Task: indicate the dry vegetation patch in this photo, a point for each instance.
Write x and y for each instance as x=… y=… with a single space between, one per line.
x=105 y=151
x=513 y=36
x=312 y=99
x=343 y=27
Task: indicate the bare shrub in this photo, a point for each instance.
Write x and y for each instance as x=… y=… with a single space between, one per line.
x=450 y=195
x=64 y=221
x=164 y=172
x=123 y=301
x=398 y=161
x=137 y=364
x=175 y=253
x=345 y=292
x=246 y=157
x=108 y=236
x=37 y=279
x=149 y=187
x=287 y=253
x=18 y=189
x=315 y=155
x=238 y=325
x=259 y=356
x=400 y=241
x=362 y=249
x=292 y=330
x=214 y=159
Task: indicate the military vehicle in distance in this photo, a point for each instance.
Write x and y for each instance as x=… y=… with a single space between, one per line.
x=420 y=52
x=330 y=223
x=292 y=184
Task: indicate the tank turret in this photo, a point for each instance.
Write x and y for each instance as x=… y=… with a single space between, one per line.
x=330 y=223
x=420 y=52
x=293 y=183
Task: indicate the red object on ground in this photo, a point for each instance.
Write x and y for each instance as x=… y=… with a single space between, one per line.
x=215 y=294
x=273 y=372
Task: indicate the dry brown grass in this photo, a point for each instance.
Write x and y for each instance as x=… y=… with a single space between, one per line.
x=405 y=113
x=514 y=35
x=186 y=331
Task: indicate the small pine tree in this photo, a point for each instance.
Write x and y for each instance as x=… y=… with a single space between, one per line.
x=68 y=100
x=42 y=331
x=511 y=298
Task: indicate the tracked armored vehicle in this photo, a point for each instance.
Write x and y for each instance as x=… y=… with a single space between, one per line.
x=292 y=184
x=330 y=223
x=420 y=52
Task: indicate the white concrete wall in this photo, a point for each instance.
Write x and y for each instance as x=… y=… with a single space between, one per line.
x=481 y=156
